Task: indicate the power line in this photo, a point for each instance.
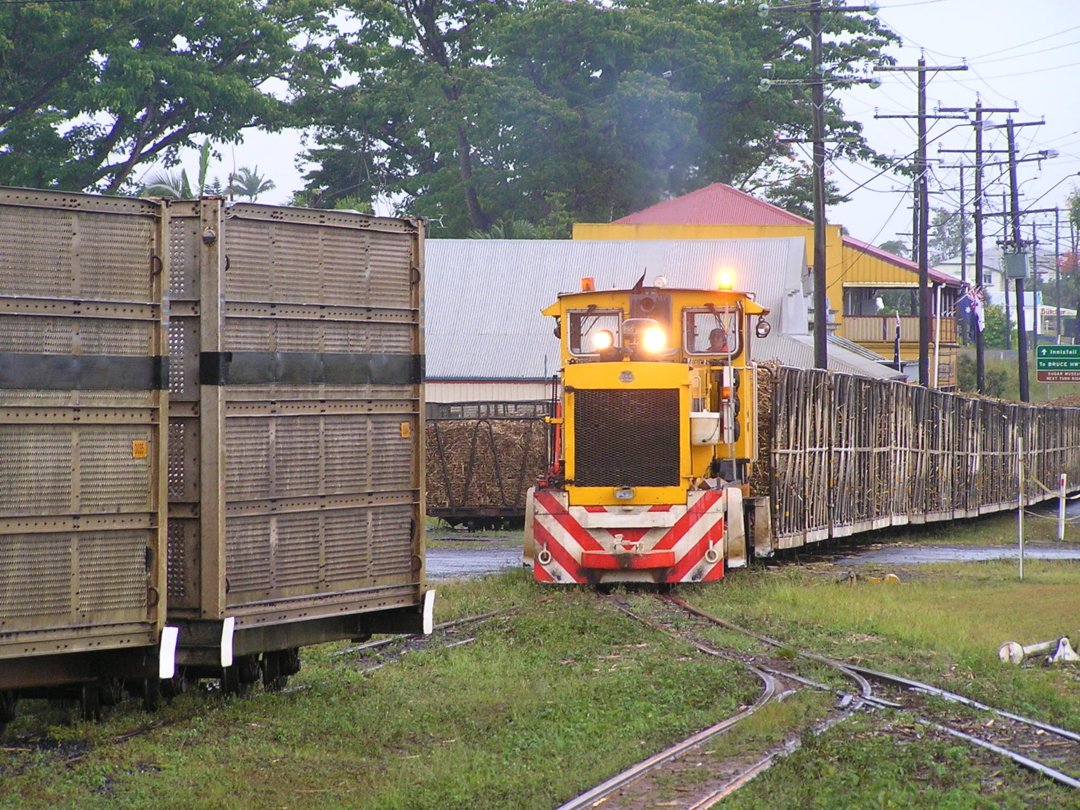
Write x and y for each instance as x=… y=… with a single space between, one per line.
x=1026 y=55
x=1025 y=44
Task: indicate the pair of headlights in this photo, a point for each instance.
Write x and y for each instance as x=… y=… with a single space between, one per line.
x=650 y=338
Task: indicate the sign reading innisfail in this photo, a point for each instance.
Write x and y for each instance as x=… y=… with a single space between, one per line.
x=1057 y=363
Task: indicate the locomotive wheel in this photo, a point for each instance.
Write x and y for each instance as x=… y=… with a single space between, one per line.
x=231 y=683
x=237 y=679
x=250 y=668
x=176 y=685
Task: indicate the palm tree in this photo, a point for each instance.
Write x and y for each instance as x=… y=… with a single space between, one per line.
x=177 y=186
x=167 y=184
x=248 y=183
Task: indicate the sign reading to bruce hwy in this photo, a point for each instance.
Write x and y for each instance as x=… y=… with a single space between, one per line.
x=1057 y=363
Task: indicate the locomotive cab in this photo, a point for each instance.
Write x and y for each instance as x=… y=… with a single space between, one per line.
x=653 y=438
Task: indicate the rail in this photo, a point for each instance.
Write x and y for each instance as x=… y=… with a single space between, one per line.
x=863 y=675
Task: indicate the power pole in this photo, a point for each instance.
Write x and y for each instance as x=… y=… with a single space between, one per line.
x=963 y=229
x=1015 y=245
x=821 y=306
x=979 y=151
x=1057 y=269
x=922 y=202
x=1004 y=278
x=1018 y=247
x=1035 y=288
x=817 y=100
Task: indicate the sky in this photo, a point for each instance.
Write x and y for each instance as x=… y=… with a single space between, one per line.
x=1019 y=54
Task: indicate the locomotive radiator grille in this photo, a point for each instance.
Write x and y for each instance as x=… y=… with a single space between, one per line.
x=626 y=438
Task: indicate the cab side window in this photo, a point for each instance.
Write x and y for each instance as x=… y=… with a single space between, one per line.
x=711 y=331
x=592 y=330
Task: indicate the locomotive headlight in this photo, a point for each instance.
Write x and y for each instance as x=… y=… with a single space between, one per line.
x=604 y=339
x=654 y=339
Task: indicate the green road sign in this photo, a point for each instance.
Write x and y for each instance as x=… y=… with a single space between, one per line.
x=1057 y=363
x=1058 y=376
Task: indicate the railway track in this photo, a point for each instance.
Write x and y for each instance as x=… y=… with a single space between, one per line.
x=1004 y=734
x=1046 y=749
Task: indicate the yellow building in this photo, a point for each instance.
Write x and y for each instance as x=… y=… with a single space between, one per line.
x=867 y=288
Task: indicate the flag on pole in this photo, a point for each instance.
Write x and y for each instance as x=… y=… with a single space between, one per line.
x=971 y=310
x=977 y=308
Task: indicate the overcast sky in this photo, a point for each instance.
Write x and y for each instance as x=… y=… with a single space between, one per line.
x=1019 y=54
x=1023 y=53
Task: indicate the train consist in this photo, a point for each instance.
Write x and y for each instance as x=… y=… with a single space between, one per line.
x=482 y=458
x=211 y=440
x=675 y=456
x=655 y=437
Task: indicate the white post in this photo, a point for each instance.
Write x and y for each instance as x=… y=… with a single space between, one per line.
x=1020 y=499
x=1062 y=479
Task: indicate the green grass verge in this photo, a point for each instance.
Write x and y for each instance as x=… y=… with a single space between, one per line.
x=943 y=624
x=562 y=691
x=546 y=702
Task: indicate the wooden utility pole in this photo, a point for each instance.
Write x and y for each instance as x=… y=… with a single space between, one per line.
x=817 y=100
x=923 y=207
x=1057 y=269
x=978 y=110
x=1017 y=244
x=821 y=305
x=1014 y=244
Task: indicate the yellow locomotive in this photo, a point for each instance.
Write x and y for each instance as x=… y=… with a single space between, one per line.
x=654 y=435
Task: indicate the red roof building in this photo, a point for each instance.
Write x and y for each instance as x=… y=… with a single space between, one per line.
x=866 y=286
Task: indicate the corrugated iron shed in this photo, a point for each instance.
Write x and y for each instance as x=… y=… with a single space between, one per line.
x=483 y=296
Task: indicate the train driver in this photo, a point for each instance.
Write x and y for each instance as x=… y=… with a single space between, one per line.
x=718 y=341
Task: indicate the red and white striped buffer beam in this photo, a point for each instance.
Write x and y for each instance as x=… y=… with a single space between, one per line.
x=666 y=543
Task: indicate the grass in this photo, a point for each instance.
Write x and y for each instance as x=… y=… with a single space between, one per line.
x=874 y=761
x=544 y=703
x=944 y=624
x=561 y=691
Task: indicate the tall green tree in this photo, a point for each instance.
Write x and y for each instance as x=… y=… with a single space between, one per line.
x=950 y=235
x=472 y=112
x=897 y=247
x=89 y=91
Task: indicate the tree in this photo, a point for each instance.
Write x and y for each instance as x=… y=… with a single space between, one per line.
x=511 y=229
x=1069 y=262
x=949 y=235
x=996 y=380
x=170 y=185
x=471 y=112
x=174 y=186
x=89 y=91
x=997 y=333
x=248 y=183
x=897 y=247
